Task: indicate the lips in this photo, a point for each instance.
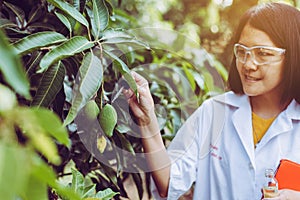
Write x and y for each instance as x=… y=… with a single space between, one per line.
x=251 y=78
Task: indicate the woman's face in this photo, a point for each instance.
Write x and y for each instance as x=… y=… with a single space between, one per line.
x=259 y=80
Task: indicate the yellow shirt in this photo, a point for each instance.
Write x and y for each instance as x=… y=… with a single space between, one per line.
x=260 y=126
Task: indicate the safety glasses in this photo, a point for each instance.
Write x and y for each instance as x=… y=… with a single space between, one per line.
x=260 y=55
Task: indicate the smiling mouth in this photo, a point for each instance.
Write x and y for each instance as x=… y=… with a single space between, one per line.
x=250 y=78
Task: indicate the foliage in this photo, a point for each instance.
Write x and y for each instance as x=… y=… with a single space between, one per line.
x=27 y=140
x=87 y=189
x=61 y=56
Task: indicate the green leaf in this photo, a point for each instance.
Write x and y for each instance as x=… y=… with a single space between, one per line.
x=209 y=81
x=138 y=183
x=124 y=70
x=90 y=78
x=67 y=193
x=70 y=10
x=11 y=68
x=34 y=61
x=52 y=125
x=111 y=174
x=14 y=170
x=44 y=173
x=38 y=137
x=4 y=23
x=41 y=25
x=35 y=14
x=20 y=14
x=125 y=143
x=50 y=85
x=89 y=191
x=190 y=77
x=106 y=194
x=64 y=20
x=37 y=40
x=121 y=37
x=36 y=189
x=69 y=48
x=77 y=182
x=100 y=17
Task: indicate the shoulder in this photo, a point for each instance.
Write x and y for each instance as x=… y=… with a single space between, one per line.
x=228 y=98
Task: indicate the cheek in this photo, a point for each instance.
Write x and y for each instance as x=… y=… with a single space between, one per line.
x=239 y=68
x=274 y=76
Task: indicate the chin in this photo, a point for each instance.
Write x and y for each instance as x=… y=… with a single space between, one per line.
x=251 y=93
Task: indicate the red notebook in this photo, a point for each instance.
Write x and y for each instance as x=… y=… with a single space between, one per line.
x=288 y=175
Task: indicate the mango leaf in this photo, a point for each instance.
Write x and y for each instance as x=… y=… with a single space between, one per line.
x=189 y=76
x=50 y=85
x=209 y=81
x=139 y=184
x=70 y=10
x=44 y=144
x=89 y=191
x=90 y=78
x=125 y=71
x=37 y=40
x=71 y=47
x=20 y=14
x=43 y=172
x=100 y=17
x=55 y=128
x=77 y=182
x=27 y=119
x=35 y=14
x=34 y=61
x=121 y=37
x=221 y=69
x=4 y=23
x=41 y=25
x=64 y=20
x=14 y=170
x=126 y=145
x=106 y=194
x=66 y=192
x=36 y=189
x=11 y=68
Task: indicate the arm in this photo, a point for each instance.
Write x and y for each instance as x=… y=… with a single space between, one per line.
x=154 y=148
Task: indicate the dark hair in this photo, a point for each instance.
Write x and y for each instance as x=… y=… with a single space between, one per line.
x=281 y=23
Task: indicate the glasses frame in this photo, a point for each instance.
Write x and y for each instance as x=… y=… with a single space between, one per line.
x=248 y=50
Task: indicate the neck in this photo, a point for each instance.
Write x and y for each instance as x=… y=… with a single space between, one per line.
x=267 y=107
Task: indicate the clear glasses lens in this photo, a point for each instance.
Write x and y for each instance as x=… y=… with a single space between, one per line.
x=260 y=55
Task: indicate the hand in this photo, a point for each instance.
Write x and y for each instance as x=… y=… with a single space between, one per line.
x=143 y=109
x=286 y=194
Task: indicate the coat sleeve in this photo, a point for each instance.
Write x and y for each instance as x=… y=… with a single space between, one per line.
x=184 y=150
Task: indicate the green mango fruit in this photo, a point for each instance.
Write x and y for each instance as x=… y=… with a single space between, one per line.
x=91 y=110
x=108 y=119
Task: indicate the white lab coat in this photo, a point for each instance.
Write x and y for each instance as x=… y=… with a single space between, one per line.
x=233 y=169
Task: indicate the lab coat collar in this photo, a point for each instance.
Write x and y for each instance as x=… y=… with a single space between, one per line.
x=232 y=99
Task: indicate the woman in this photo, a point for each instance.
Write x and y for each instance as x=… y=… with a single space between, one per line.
x=261 y=118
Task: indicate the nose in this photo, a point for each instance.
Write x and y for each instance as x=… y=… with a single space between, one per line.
x=249 y=62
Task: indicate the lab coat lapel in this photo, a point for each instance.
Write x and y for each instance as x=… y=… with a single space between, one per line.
x=282 y=124
x=242 y=121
